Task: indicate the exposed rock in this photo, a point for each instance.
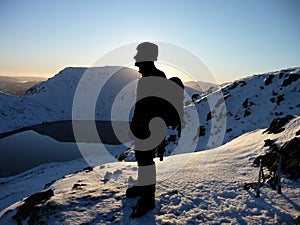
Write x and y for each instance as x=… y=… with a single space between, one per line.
x=247 y=113
x=228 y=130
x=281 y=75
x=30 y=205
x=269 y=79
x=272 y=100
x=88 y=169
x=243 y=83
x=227 y=96
x=245 y=103
x=290 y=152
x=280 y=98
x=236 y=117
x=208 y=117
x=201 y=131
x=78 y=186
x=276 y=125
x=233 y=86
x=292 y=78
x=297 y=220
x=268 y=142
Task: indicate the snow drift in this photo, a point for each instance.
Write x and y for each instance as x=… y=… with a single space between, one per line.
x=191 y=189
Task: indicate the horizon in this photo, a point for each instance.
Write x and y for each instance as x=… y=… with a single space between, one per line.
x=234 y=39
x=183 y=76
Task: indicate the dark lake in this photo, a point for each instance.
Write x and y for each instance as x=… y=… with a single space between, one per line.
x=51 y=142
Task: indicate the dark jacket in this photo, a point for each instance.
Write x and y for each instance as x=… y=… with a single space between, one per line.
x=147 y=108
x=150 y=107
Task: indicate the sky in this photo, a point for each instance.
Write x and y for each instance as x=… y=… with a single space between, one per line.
x=232 y=38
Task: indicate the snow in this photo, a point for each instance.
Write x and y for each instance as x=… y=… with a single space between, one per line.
x=204 y=187
x=191 y=189
x=52 y=100
x=248 y=104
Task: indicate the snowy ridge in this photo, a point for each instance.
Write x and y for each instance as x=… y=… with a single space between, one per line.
x=52 y=100
x=191 y=189
x=197 y=188
x=252 y=103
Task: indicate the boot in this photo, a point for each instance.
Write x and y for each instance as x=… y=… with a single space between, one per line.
x=137 y=191
x=143 y=205
x=134 y=191
x=146 y=202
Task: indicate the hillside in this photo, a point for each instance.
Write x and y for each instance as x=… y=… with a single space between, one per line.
x=248 y=104
x=197 y=188
x=52 y=100
x=205 y=187
x=236 y=108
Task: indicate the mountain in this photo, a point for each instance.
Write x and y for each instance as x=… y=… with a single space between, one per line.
x=247 y=104
x=206 y=187
x=52 y=100
x=241 y=106
x=196 y=188
x=200 y=85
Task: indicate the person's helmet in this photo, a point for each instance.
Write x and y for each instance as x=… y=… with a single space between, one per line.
x=146 y=51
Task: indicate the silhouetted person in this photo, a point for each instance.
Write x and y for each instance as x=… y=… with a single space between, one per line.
x=145 y=110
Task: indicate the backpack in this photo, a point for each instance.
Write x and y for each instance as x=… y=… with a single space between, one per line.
x=174 y=118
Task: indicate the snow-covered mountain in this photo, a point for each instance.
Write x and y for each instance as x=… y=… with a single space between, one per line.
x=200 y=85
x=196 y=188
x=248 y=104
x=52 y=100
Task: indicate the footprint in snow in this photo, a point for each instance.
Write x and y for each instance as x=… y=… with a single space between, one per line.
x=109 y=175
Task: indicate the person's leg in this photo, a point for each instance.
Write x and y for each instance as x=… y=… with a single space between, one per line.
x=145 y=184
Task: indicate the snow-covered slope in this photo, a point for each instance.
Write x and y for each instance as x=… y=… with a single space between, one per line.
x=197 y=188
x=52 y=100
x=250 y=103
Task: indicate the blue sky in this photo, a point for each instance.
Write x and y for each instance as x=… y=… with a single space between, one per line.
x=233 y=38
